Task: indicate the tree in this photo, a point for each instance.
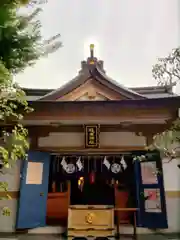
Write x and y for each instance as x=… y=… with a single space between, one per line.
x=167 y=73
x=13 y=106
x=167 y=69
x=21 y=45
x=20 y=36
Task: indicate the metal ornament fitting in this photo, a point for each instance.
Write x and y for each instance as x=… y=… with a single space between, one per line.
x=90 y=217
x=115 y=168
x=70 y=168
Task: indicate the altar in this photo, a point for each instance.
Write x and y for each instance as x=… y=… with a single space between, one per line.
x=90 y=221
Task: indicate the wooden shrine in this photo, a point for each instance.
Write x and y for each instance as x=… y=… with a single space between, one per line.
x=89 y=131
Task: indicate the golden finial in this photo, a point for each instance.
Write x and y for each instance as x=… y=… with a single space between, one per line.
x=92 y=51
x=91 y=46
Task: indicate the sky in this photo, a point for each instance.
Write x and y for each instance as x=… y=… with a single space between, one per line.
x=129 y=36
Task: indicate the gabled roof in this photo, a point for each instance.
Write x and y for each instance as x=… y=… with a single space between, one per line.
x=97 y=75
x=92 y=69
x=149 y=92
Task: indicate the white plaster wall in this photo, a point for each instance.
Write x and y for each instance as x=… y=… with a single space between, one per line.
x=172 y=183
x=171 y=175
x=7 y=223
x=115 y=139
x=62 y=140
x=173 y=214
x=12 y=177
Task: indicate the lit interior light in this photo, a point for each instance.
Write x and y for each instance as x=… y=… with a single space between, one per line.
x=80 y=182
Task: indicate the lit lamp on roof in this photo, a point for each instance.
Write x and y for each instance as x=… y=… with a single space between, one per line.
x=92 y=54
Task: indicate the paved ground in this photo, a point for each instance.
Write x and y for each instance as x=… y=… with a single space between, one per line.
x=51 y=237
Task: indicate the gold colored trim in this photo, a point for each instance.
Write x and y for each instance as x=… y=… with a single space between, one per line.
x=172 y=194
x=97 y=131
x=12 y=194
x=90 y=217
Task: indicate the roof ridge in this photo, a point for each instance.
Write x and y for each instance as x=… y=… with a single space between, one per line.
x=114 y=82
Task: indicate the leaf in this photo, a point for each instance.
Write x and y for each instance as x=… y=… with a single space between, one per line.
x=6 y=211
x=167 y=69
x=9 y=197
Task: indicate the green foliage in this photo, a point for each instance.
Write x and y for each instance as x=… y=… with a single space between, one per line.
x=167 y=73
x=13 y=107
x=6 y=211
x=167 y=69
x=21 y=44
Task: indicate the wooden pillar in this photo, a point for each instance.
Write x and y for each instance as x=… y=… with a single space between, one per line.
x=149 y=139
x=147 y=135
x=33 y=142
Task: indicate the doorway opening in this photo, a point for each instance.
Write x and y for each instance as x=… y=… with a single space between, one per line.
x=91 y=186
x=100 y=185
x=97 y=193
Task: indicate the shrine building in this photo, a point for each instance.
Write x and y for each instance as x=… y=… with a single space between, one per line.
x=85 y=138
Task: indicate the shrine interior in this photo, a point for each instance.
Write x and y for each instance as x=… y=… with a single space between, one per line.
x=90 y=180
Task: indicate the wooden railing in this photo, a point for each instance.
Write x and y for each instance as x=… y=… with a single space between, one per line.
x=134 y=210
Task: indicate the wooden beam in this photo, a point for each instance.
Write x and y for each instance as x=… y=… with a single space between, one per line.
x=144 y=128
x=15 y=194
x=98 y=110
x=82 y=150
x=12 y=194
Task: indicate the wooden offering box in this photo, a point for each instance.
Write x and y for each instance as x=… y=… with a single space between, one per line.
x=90 y=221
